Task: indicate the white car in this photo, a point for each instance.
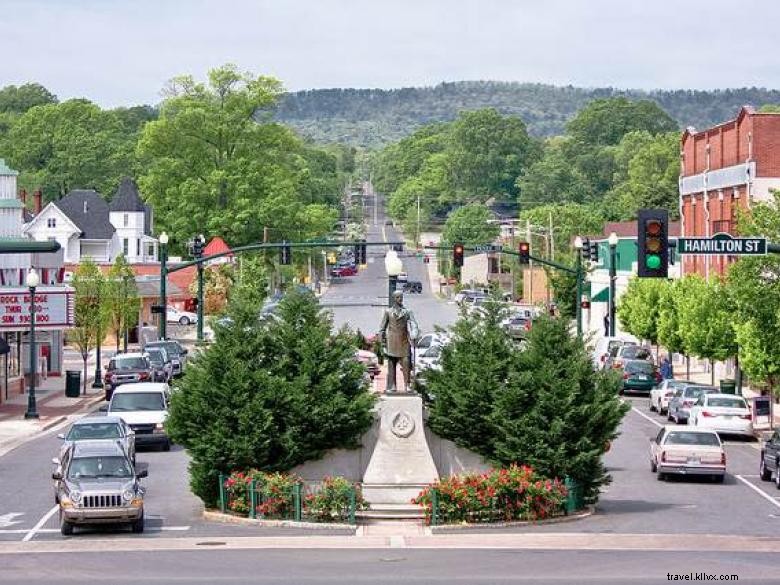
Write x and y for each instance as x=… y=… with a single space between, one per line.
x=429 y=359
x=661 y=394
x=723 y=413
x=429 y=339
x=144 y=407
x=688 y=451
x=181 y=317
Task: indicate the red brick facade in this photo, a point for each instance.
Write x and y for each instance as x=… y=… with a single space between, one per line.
x=723 y=169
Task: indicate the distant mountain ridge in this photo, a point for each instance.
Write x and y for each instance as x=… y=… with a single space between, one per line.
x=373 y=117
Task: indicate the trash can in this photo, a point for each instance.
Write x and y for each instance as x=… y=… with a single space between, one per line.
x=72 y=383
x=728 y=386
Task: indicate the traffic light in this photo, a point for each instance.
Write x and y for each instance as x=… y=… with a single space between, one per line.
x=524 y=252
x=593 y=256
x=285 y=254
x=653 y=243
x=197 y=245
x=457 y=255
x=585 y=250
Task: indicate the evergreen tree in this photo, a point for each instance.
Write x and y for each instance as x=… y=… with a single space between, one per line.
x=475 y=366
x=269 y=394
x=555 y=413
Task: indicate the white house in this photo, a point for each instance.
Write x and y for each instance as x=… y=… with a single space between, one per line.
x=87 y=227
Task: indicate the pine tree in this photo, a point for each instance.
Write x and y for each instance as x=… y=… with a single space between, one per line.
x=475 y=366
x=555 y=413
x=269 y=394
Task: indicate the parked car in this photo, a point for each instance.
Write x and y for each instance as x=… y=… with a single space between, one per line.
x=126 y=368
x=144 y=407
x=92 y=428
x=177 y=353
x=98 y=484
x=427 y=360
x=370 y=360
x=162 y=366
x=723 y=413
x=625 y=352
x=605 y=345
x=517 y=327
x=413 y=286
x=687 y=452
x=769 y=465
x=181 y=317
x=684 y=398
x=461 y=296
x=639 y=376
x=427 y=340
x=662 y=394
x=340 y=271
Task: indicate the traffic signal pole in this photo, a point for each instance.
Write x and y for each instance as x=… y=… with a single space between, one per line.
x=579 y=294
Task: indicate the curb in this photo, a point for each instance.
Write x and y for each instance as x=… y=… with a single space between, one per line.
x=445 y=528
x=53 y=423
x=215 y=516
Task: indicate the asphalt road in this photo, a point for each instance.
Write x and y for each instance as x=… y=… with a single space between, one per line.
x=374 y=567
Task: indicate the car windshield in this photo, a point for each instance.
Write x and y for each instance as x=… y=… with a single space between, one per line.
x=726 y=402
x=432 y=352
x=129 y=363
x=689 y=438
x=130 y=401
x=84 y=431
x=156 y=356
x=634 y=352
x=696 y=391
x=93 y=467
x=639 y=367
x=169 y=346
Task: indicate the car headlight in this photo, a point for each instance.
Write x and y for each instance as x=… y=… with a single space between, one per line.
x=75 y=496
x=128 y=495
x=159 y=428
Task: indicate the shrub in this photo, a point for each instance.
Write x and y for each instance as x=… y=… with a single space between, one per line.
x=513 y=493
x=332 y=502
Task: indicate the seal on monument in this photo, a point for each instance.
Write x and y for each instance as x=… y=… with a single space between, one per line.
x=402 y=425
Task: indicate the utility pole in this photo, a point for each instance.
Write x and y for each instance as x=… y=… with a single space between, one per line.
x=530 y=263
x=417 y=239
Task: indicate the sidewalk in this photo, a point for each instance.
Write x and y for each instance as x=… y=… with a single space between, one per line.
x=53 y=408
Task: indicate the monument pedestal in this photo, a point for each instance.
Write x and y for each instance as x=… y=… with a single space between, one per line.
x=401 y=464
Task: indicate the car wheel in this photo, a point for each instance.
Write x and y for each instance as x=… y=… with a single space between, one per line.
x=184 y=321
x=66 y=528
x=763 y=472
x=661 y=476
x=652 y=406
x=662 y=411
x=669 y=417
x=138 y=525
x=653 y=466
x=166 y=446
x=777 y=476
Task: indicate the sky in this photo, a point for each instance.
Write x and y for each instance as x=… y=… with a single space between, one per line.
x=122 y=52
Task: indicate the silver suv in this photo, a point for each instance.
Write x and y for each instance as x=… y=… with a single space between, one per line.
x=98 y=484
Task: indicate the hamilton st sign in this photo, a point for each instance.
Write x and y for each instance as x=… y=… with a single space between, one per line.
x=722 y=244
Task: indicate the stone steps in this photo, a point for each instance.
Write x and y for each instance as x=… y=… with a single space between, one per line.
x=395 y=512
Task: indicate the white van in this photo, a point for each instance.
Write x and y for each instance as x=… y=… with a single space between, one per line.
x=144 y=407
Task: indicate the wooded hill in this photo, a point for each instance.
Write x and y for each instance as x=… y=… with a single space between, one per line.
x=373 y=117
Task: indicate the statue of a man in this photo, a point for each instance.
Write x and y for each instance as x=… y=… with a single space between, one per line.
x=398 y=330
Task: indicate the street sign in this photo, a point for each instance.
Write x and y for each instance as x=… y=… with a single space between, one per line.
x=722 y=244
x=487 y=248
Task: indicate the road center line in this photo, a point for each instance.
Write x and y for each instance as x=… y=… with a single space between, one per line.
x=760 y=492
x=644 y=416
x=40 y=524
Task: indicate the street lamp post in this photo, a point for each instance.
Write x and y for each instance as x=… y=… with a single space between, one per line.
x=98 y=378
x=613 y=242
x=578 y=248
x=198 y=249
x=124 y=311
x=394 y=267
x=32 y=281
x=163 y=279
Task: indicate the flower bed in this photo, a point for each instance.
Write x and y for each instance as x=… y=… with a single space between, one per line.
x=502 y=495
x=282 y=496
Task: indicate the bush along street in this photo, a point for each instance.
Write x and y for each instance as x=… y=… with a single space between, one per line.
x=282 y=496
x=502 y=495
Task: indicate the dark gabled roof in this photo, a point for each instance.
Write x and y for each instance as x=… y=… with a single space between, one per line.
x=89 y=211
x=127 y=197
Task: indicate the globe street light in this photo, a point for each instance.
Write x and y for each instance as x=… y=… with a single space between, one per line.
x=613 y=242
x=32 y=282
x=163 y=278
x=394 y=267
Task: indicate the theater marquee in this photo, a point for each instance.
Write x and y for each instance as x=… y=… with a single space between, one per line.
x=53 y=308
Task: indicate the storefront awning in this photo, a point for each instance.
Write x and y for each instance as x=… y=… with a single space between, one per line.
x=601 y=296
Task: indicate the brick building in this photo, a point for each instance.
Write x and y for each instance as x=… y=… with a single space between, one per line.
x=723 y=169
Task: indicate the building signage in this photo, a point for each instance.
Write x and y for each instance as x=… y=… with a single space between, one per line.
x=53 y=308
x=722 y=244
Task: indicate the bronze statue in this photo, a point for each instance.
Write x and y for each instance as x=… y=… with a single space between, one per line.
x=399 y=330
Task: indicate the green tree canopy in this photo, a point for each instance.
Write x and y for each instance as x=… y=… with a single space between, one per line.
x=638 y=308
x=604 y=122
x=19 y=99
x=269 y=395
x=553 y=180
x=469 y=225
